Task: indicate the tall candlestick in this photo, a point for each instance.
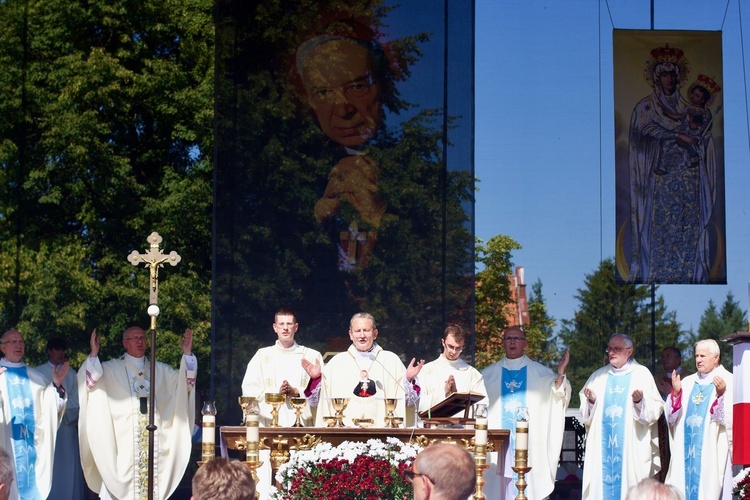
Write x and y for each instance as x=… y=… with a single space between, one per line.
x=480 y=432
x=522 y=435
x=209 y=429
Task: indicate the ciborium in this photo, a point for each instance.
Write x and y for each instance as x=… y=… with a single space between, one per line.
x=339 y=404
x=391 y=420
x=298 y=403
x=275 y=399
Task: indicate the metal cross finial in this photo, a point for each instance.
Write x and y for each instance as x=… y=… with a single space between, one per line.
x=154 y=258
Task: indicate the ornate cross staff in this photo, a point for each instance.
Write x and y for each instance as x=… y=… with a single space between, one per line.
x=154 y=258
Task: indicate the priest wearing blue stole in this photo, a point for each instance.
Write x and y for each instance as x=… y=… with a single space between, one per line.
x=699 y=413
x=620 y=407
x=30 y=412
x=517 y=382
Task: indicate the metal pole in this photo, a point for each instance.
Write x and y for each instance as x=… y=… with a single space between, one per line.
x=151 y=426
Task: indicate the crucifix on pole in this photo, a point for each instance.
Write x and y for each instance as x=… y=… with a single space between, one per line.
x=154 y=258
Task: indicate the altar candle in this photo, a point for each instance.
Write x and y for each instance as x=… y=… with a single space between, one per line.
x=253 y=431
x=522 y=435
x=209 y=429
x=480 y=432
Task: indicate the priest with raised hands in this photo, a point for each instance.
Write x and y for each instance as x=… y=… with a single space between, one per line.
x=30 y=412
x=515 y=382
x=620 y=406
x=114 y=399
x=699 y=414
x=366 y=375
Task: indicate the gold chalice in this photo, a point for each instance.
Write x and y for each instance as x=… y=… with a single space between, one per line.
x=275 y=399
x=249 y=405
x=339 y=404
x=298 y=403
x=391 y=420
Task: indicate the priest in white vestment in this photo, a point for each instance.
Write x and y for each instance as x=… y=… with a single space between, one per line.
x=67 y=476
x=284 y=368
x=30 y=412
x=620 y=407
x=699 y=413
x=114 y=398
x=517 y=382
x=449 y=373
x=366 y=375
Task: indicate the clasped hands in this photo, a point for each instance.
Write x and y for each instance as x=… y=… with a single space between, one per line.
x=354 y=179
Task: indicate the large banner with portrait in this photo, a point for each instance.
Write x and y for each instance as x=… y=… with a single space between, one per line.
x=669 y=153
x=343 y=175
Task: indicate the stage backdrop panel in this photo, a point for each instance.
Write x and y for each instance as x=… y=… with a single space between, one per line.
x=343 y=176
x=669 y=153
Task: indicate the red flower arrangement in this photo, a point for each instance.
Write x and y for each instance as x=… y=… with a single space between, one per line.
x=741 y=485
x=358 y=471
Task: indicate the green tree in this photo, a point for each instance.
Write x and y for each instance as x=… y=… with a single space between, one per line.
x=492 y=295
x=105 y=136
x=718 y=324
x=605 y=308
x=542 y=346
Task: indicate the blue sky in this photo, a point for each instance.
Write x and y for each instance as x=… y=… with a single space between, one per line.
x=544 y=151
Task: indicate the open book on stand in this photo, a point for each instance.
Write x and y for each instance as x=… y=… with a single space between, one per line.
x=451 y=405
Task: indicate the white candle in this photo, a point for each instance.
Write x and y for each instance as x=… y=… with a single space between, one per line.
x=522 y=435
x=480 y=432
x=253 y=431
x=209 y=429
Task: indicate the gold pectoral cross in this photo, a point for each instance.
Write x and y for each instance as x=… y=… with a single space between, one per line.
x=698 y=398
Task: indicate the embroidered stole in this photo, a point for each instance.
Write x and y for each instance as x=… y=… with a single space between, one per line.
x=613 y=433
x=697 y=408
x=139 y=380
x=513 y=397
x=23 y=427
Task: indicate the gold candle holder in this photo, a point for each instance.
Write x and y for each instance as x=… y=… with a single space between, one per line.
x=275 y=400
x=480 y=459
x=253 y=466
x=521 y=468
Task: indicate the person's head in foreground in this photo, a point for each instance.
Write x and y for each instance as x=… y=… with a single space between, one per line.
x=443 y=472
x=651 y=489
x=6 y=474
x=222 y=479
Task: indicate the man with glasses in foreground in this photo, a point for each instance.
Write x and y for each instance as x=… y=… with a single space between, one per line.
x=114 y=398
x=517 y=382
x=30 y=412
x=449 y=373
x=620 y=407
x=443 y=472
